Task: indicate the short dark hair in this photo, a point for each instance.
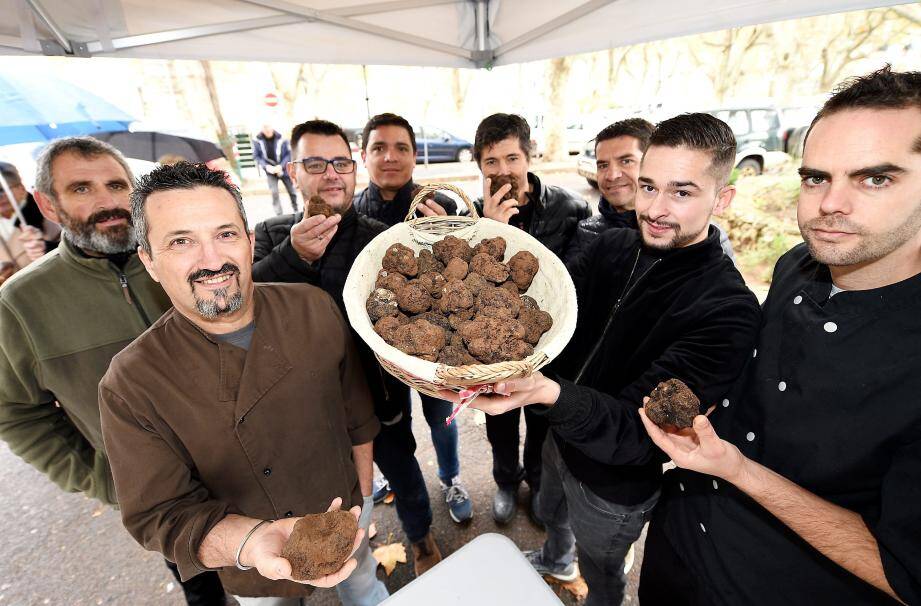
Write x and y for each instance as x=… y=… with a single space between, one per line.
x=637 y=128
x=499 y=127
x=701 y=132
x=882 y=89
x=182 y=175
x=324 y=128
x=387 y=119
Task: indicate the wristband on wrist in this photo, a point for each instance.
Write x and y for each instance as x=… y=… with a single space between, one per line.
x=236 y=559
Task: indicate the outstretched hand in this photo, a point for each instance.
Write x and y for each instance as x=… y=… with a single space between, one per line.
x=263 y=551
x=512 y=394
x=697 y=448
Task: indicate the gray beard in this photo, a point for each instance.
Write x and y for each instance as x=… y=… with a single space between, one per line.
x=106 y=244
x=210 y=309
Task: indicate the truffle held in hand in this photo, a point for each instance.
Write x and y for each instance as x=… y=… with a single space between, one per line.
x=495 y=183
x=318 y=206
x=320 y=544
x=672 y=403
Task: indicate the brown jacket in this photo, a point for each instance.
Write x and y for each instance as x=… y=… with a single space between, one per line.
x=196 y=428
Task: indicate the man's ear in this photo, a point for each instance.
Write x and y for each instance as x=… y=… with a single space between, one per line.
x=291 y=167
x=46 y=206
x=724 y=199
x=148 y=263
x=364 y=157
x=252 y=242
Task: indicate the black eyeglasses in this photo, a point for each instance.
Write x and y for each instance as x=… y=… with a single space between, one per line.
x=317 y=166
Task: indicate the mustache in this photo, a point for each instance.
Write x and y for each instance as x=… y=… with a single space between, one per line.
x=833 y=223
x=675 y=226
x=203 y=274
x=107 y=214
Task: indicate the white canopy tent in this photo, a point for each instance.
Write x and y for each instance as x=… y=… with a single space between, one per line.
x=451 y=33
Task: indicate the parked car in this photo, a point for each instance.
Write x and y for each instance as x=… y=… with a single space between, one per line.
x=758 y=130
x=586 y=164
x=441 y=146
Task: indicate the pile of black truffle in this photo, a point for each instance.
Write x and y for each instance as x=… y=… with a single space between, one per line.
x=457 y=304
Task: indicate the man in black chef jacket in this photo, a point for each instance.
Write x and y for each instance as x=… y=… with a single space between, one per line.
x=814 y=495
x=655 y=303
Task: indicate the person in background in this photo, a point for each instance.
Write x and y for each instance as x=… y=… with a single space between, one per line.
x=502 y=148
x=39 y=236
x=389 y=154
x=272 y=153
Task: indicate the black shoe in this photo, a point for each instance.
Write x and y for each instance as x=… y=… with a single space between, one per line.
x=534 y=510
x=503 y=505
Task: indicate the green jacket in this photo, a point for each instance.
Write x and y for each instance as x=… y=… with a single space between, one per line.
x=62 y=319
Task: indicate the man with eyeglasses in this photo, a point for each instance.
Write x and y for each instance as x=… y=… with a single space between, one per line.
x=320 y=250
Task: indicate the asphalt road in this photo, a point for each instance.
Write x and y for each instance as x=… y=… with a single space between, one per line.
x=65 y=549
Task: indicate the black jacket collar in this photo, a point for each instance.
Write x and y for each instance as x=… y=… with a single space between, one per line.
x=617 y=218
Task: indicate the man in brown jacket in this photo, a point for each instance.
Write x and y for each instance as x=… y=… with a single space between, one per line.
x=243 y=404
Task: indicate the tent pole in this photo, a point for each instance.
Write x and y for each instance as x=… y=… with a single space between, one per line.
x=364 y=71
x=59 y=36
x=482 y=24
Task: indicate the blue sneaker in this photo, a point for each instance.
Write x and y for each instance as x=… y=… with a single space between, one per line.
x=458 y=500
x=380 y=488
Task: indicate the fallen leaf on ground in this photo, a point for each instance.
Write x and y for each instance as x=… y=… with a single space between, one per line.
x=372 y=531
x=577 y=587
x=389 y=555
x=388 y=499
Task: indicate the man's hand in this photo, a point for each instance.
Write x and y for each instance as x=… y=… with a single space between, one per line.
x=311 y=235
x=509 y=395
x=430 y=208
x=494 y=207
x=698 y=448
x=263 y=551
x=33 y=242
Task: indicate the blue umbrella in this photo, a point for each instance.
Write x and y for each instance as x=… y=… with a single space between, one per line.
x=41 y=108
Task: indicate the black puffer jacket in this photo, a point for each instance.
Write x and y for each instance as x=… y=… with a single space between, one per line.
x=390 y=212
x=557 y=212
x=607 y=218
x=275 y=260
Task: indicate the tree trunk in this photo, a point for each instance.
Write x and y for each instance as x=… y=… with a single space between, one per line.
x=555 y=122
x=459 y=86
x=223 y=135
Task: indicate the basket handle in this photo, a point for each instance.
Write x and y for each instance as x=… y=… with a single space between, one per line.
x=432 y=188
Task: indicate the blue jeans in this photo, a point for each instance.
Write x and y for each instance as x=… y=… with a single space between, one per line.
x=444 y=437
x=578 y=520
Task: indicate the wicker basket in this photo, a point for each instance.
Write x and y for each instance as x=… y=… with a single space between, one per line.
x=552 y=288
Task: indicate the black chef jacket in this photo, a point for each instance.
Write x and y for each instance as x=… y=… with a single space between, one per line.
x=829 y=399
